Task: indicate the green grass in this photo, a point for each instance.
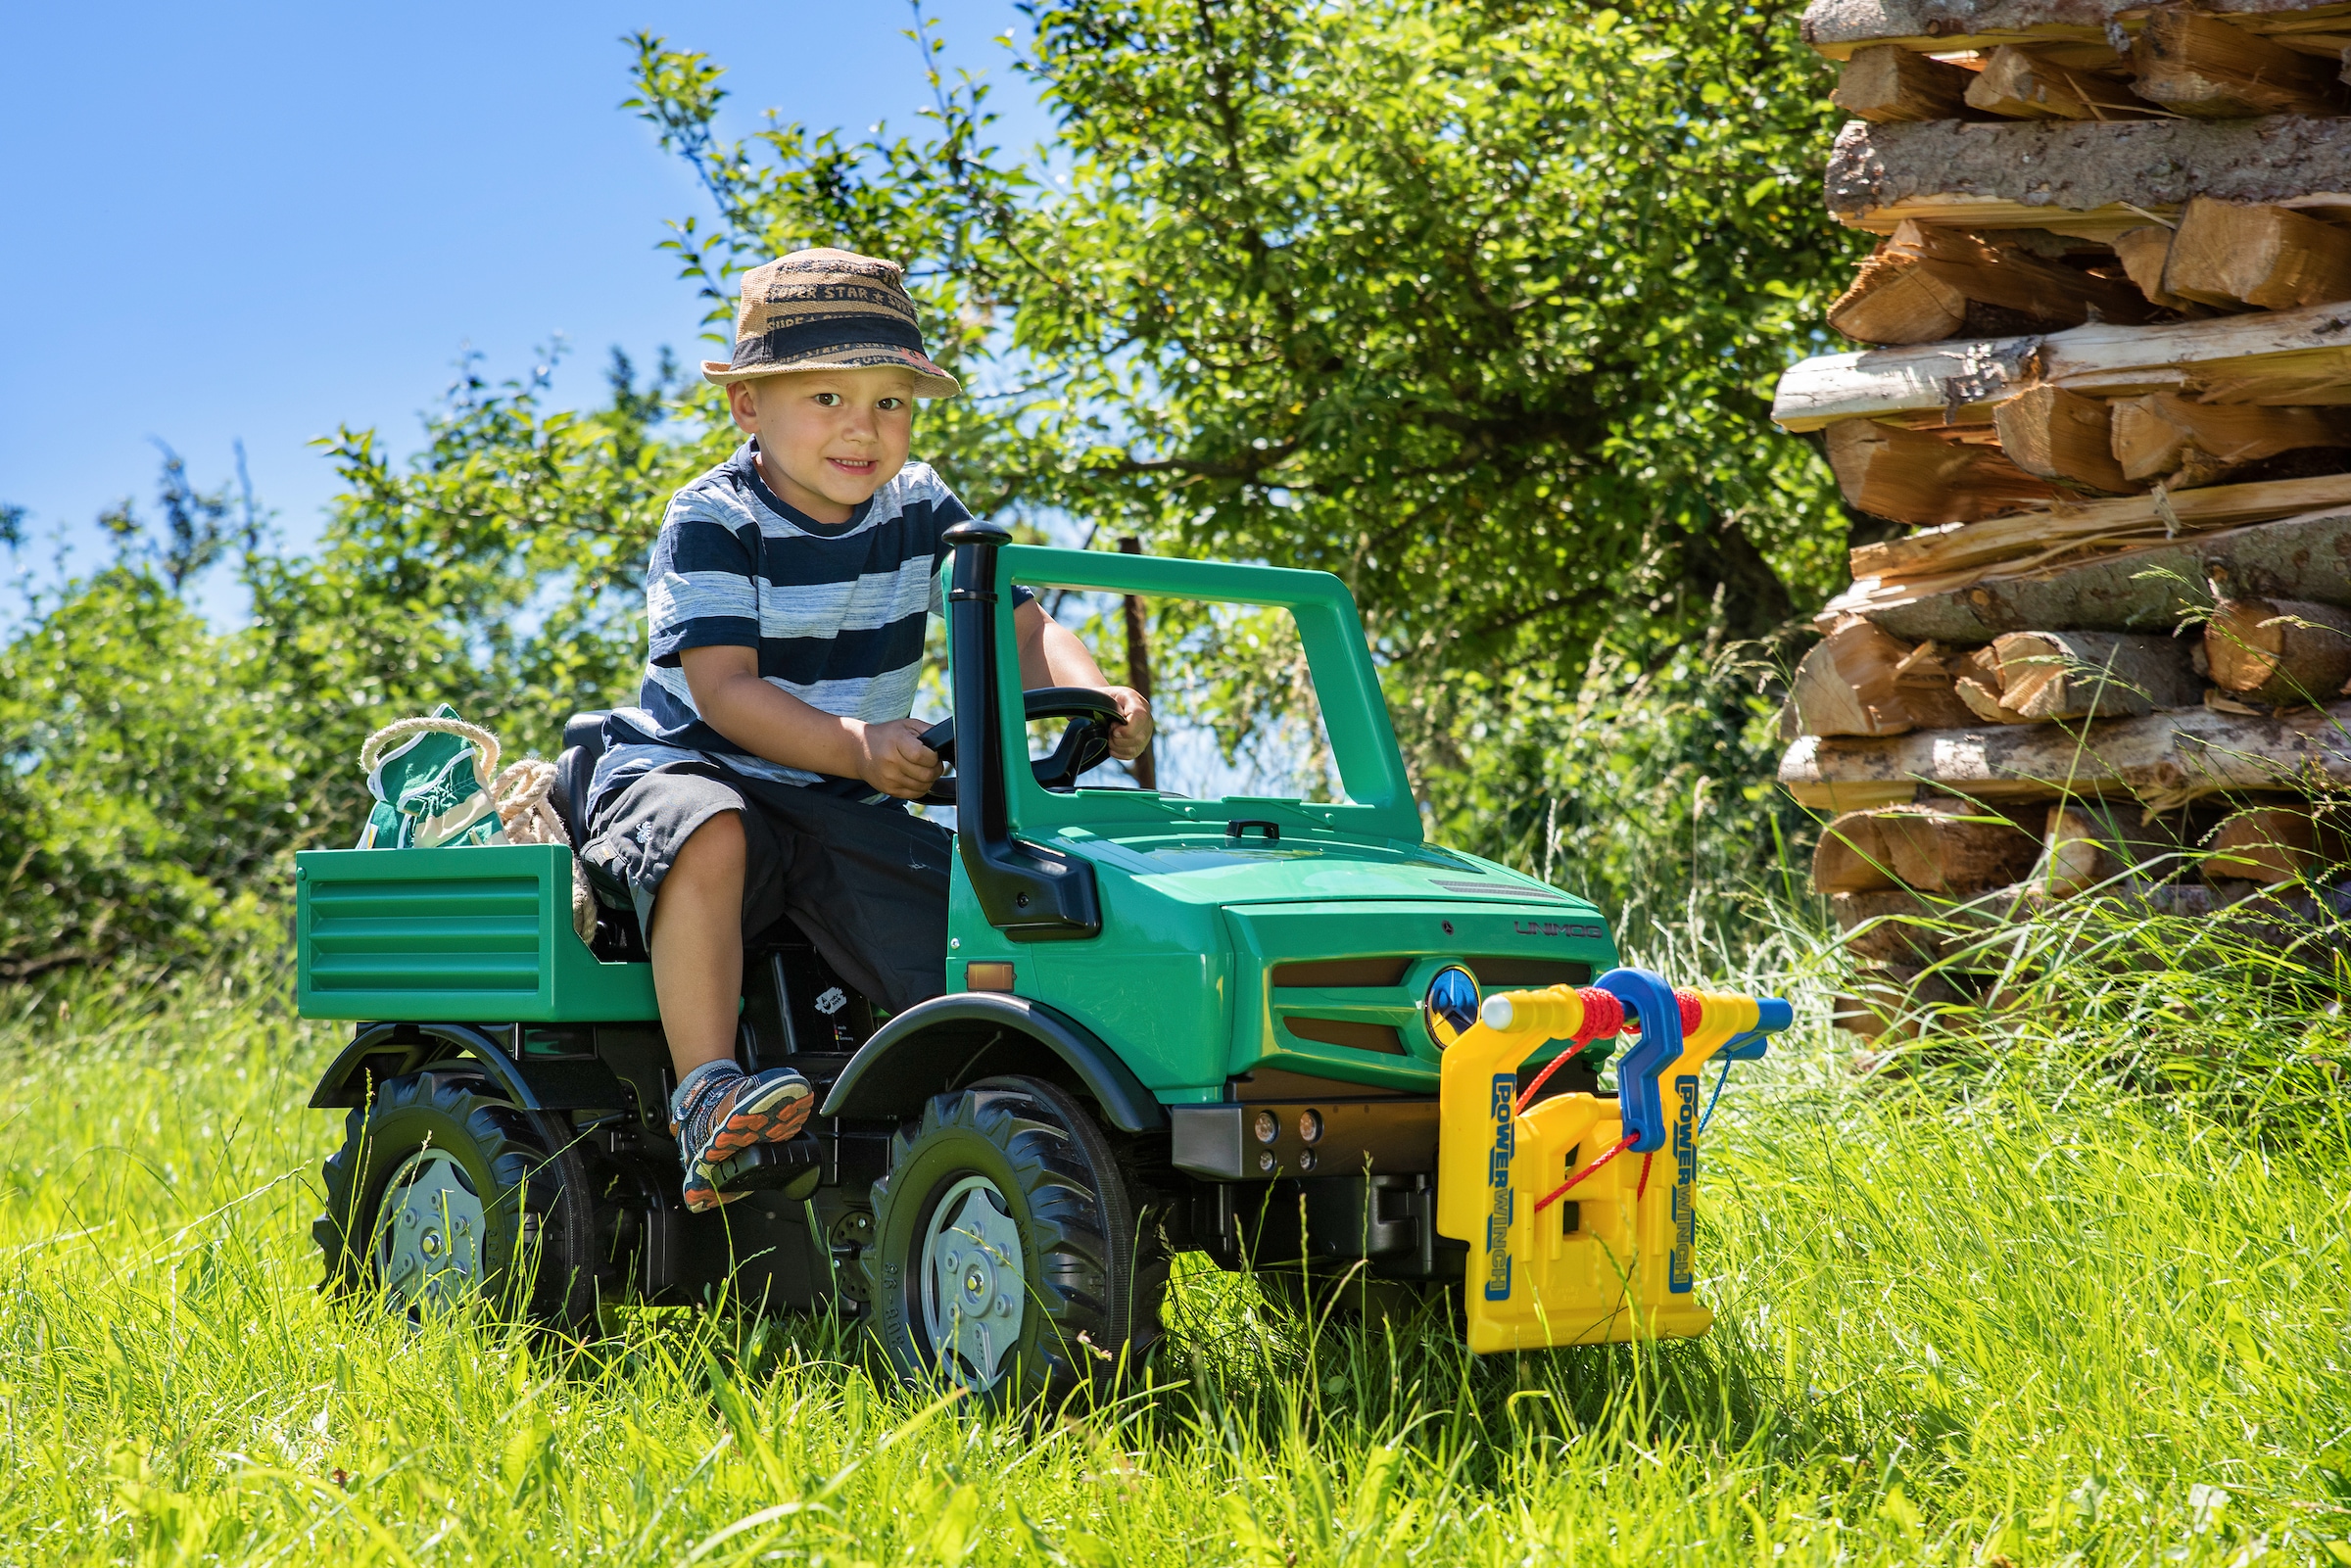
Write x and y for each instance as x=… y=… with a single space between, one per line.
x=2021 y=1314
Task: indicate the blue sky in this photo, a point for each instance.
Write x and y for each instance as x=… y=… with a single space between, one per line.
x=266 y=221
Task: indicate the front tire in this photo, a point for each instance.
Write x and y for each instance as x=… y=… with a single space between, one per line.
x=1007 y=1255
x=444 y=1192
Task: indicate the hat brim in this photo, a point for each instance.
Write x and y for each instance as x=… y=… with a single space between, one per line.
x=930 y=381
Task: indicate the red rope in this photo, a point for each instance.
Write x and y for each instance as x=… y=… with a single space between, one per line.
x=1604 y=1016
x=1560 y=1191
x=1641 y=1191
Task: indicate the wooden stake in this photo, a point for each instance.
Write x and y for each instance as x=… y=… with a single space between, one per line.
x=2198 y=443
x=1144 y=768
x=2198 y=65
x=2272 y=844
x=2234 y=255
x=2021 y=85
x=1925 y=284
x=1887 y=84
x=2046 y=676
x=2059 y=435
x=1913 y=477
x=2283 y=651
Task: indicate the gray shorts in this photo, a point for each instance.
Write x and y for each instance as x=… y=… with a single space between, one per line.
x=866 y=883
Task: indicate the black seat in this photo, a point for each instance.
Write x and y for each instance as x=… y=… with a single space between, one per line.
x=575 y=765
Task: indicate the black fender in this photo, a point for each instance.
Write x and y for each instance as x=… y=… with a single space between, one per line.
x=948 y=1041
x=380 y=1051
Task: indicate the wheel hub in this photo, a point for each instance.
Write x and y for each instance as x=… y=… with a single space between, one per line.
x=974 y=1282
x=429 y=1250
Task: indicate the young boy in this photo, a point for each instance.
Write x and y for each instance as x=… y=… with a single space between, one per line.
x=763 y=772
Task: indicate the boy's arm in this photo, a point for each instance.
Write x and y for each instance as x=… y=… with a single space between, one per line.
x=1050 y=655
x=771 y=722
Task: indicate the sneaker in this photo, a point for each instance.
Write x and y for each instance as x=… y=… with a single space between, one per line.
x=728 y=1114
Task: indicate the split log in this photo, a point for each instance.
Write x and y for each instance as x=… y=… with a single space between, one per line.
x=2062 y=436
x=2284 y=358
x=1912 y=477
x=1857 y=681
x=2165 y=760
x=1980 y=684
x=2048 y=676
x=2234 y=256
x=2285 y=652
x=2274 y=844
x=2021 y=85
x=1940 y=847
x=2201 y=66
x=2142 y=251
x=2194 y=444
x=1889 y=84
x=2048 y=534
x=1927 y=284
x=2084 y=177
x=2151 y=587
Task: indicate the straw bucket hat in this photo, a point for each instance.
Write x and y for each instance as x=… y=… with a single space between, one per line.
x=827 y=309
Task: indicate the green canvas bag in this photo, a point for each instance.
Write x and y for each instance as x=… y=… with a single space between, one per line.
x=431 y=778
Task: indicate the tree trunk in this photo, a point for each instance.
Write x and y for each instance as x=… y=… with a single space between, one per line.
x=2166 y=759
x=2285 y=652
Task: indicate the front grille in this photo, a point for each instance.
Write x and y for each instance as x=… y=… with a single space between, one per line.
x=1378 y=1038
x=1343 y=973
x=1519 y=974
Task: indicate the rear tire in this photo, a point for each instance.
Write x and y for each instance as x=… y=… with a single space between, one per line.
x=1006 y=1253
x=445 y=1191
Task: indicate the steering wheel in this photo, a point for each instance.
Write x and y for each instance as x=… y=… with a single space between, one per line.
x=1085 y=744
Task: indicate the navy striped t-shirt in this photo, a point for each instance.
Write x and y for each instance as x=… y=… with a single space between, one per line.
x=836 y=611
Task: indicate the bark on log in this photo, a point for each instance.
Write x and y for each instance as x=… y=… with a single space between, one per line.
x=1927 y=284
x=2234 y=255
x=2274 y=844
x=2191 y=444
x=1839 y=28
x=2153 y=588
x=2279 y=359
x=2021 y=85
x=2048 y=675
x=2164 y=760
x=2048 y=535
x=2062 y=436
x=1912 y=477
x=2286 y=651
x=2201 y=66
x=2090 y=178
x=1885 y=85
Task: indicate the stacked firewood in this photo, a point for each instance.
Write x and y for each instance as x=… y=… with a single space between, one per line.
x=2099 y=404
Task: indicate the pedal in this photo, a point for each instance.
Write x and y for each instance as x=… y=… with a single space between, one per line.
x=793 y=1167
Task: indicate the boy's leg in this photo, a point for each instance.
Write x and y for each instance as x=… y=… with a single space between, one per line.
x=702 y=863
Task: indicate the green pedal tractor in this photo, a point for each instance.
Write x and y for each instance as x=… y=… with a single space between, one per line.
x=1170 y=1025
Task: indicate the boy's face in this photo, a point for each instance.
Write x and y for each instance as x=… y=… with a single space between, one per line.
x=827 y=439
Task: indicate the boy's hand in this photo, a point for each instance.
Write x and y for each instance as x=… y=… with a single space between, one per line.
x=893 y=759
x=1132 y=732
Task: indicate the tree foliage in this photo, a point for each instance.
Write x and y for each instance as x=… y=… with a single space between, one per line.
x=1474 y=304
